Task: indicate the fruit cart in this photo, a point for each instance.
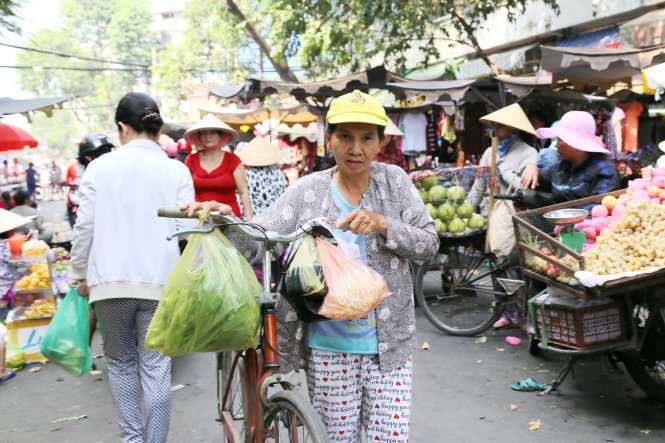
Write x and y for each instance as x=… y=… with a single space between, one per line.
x=623 y=318
x=459 y=291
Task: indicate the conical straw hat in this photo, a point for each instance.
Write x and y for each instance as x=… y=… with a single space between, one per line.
x=260 y=152
x=9 y=220
x=512 y=116
x=392 y=129
x=210 y=122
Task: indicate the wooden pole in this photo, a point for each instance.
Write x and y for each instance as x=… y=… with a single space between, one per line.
x=492 y=190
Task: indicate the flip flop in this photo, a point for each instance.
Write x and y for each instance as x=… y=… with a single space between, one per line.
x=7 y=377
x=504 y=323
x=529 y=385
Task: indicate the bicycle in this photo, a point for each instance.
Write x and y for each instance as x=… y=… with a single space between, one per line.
x=463 y=291
x=244 y=378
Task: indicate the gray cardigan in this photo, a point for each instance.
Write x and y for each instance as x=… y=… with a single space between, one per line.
x=411 y=236
x=509 y=169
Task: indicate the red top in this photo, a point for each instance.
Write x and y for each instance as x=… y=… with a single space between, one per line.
x=217 y=185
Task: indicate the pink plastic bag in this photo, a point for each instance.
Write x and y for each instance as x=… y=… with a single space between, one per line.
x=354 y=289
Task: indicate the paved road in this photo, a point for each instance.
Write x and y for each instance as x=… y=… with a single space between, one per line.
x=461 y=394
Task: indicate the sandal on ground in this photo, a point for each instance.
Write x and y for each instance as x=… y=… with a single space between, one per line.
x=504 y=323
x=8 y=376
x=529 y=385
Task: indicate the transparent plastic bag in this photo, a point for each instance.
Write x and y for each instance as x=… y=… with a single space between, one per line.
x=302 y=283
x=15 y=358
x=66 y=340
x=354 y=289
x=208 y=303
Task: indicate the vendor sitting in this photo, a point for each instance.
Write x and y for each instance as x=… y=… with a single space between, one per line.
x=24 y=208
x=584 y=170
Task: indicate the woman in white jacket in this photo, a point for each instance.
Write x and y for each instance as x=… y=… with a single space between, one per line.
x=122 y=259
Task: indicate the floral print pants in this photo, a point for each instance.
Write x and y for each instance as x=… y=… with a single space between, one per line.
x=349 y=392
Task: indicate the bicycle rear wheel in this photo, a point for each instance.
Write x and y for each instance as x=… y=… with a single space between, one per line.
x=231 y=393
x=457 y=290
x=290 y=417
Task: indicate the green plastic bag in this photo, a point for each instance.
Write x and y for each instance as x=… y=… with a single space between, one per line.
x=66 y=340
x=208 y=303
x=15 y=357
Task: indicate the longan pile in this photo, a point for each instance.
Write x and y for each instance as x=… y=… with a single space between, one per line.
x=635 y=242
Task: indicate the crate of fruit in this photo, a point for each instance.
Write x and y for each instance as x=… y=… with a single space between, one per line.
x=623 y=241
x=444 y=192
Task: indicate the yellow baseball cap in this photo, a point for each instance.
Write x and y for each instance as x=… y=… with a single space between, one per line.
x=356 y=107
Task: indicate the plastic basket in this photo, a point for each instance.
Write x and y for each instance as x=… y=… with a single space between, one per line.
x=581 y=328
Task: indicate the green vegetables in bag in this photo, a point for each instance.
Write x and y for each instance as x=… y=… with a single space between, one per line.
x=15 y=358
x=208 y=302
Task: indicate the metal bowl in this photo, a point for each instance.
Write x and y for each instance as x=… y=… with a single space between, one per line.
x=566 y=216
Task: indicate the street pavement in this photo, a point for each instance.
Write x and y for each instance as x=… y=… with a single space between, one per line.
x=461 y=394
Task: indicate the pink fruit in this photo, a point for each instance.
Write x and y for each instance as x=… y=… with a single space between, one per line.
x=637 y=192
x=658 y=172
x=638 y=183
x=658 y=181
x=612 y=218
x=640 y=197
x=599 y=223
x=599 y=211
x=590 y=233
x=619 y=210
x=655 y=201
x=587 y=247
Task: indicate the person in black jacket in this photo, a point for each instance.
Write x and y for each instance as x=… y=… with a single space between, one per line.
x=585 y=168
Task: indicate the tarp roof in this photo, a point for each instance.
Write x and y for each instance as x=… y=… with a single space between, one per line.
x=601 y=66
x=239 y=117
x=13 y=106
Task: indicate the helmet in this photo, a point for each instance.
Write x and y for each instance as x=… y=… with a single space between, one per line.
x=94 y=145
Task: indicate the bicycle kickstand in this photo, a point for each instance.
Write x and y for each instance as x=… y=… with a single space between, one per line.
x=567 y=368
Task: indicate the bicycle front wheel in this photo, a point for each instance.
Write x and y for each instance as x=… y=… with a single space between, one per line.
x=457 y=290
x=231 y=396
x=290 y=417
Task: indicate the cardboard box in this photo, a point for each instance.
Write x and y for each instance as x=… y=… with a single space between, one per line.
x=27 y=334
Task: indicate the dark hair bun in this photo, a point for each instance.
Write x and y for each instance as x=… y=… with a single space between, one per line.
x=140 y=112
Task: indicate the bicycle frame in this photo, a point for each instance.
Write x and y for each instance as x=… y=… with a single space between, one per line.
x=260 y=364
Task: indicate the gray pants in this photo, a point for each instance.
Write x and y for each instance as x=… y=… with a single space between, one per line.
x=140 y=379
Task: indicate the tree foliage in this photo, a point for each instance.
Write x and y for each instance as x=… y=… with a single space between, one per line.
x=99 y=29
x=8 y=16
x=326 y=36
x=214 y=48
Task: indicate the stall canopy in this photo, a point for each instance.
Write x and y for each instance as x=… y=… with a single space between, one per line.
x=600 y=66
x=376 y=77
x=250 y=117
x=12 y=106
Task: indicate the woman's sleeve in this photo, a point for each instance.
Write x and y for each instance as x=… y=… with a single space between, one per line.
x=413 y=235
x=512 y=177
x=84 y=227
x=479 y=184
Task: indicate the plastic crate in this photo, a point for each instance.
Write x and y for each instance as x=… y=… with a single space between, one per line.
x=581 y=328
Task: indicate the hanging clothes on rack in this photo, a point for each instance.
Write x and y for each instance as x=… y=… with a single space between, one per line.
x=414 y=127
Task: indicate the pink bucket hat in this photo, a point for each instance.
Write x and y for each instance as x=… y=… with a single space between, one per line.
x=578 y=129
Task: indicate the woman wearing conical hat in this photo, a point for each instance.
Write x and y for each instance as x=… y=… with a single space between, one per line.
x=513 y=154
x=265 y=179
x=217 y=174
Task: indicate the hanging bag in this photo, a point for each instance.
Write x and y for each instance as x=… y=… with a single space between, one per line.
x=66 y=340
x=208 y=303
x=500 y=231
x=354 y=289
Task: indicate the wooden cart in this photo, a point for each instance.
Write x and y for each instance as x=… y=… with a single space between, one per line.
x=639 y=299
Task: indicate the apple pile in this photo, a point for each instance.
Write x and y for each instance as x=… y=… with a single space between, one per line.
x=544 y=267
x=62 y=261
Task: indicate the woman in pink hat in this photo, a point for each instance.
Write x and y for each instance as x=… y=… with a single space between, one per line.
x=585 y=168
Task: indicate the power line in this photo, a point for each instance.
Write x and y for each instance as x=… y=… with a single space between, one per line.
x=69 y=68
x=59 y=54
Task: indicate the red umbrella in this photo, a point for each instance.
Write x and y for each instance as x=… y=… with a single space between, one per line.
x=13 y=138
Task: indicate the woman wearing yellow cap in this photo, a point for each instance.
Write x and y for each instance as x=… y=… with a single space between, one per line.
x=359 y=371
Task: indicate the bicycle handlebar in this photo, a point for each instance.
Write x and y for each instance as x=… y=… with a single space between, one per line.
x=245 y=228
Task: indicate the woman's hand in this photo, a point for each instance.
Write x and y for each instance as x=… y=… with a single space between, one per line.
x=206 y=208
x=360 y=221
x=529 y=177
x=82 y=287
